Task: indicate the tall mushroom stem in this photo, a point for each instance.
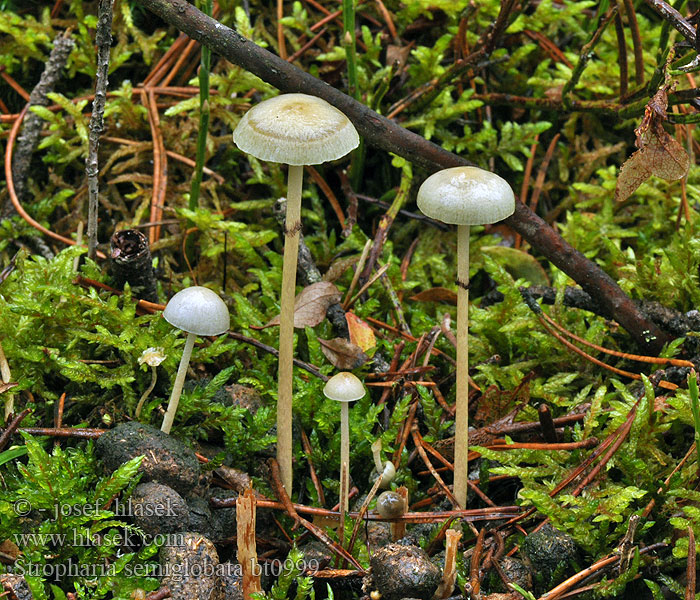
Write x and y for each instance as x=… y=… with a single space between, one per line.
x=461 y=468
x=177 y=386
x=344 y=456
x=289 y=276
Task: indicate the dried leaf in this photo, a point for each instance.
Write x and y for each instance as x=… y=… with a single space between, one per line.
x=361 y=333
x=342 y=354
x=9 y=548
x=338 y=267
x=7 y=386
x=397 y=55
x=659 y=154
x=310 y=305
x=667 y=158
x=662 y=156
x=239 y=480
x=633 y=173
x=518 y=263
x=436 y=294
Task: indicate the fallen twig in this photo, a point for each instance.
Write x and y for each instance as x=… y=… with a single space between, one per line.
x=390 y=136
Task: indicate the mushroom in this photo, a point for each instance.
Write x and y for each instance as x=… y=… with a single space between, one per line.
x=198 y=311
x=151 y=357
x=297 y=130
x=464 y=196
x=344 y=387
x=390 y=505
x=387 y=472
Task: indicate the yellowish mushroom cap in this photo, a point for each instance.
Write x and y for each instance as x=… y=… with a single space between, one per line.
x=466 y=196
x=295 y=129
x=344 y=387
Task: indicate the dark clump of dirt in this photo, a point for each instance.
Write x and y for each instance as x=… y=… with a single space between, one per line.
x=404 y=572
x=550 y=554
x=515 y=571
x=157 y=508
x=165 y=459
x=191 y=569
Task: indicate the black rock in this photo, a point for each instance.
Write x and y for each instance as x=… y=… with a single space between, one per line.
x=232 y=580
x=158 y=509
x=549 y=553
x=225 y=518
x=166 y=460
x=191 y=570
x=515 y=571
x=404 y=572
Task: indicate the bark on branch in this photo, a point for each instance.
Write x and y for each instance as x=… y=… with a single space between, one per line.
x=388 y=135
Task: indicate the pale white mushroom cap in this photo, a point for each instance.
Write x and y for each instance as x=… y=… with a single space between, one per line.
x=198 y=310
x=466 y=196
x=344 y=387
x=295 y=129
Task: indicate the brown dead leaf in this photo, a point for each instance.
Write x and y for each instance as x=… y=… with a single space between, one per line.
x=342 y=354
x=633 y=173
x=662 y=156
x=9 y=548
x=7 y=386
x=397 y=55
x=436 y=294
x=667 y=158
x=310 y=305
x=361 y=333
x=338 y=267
x=659 y=154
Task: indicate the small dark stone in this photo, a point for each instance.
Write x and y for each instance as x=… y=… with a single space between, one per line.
x=516 y=571
x=548 y=551
x=191 y=569
x=316 y=554
x=202 y=520
x=225 y=518
x=404 y=572
x=377 y=534
x=166 y=459
x=232 y=580
x=157 y=508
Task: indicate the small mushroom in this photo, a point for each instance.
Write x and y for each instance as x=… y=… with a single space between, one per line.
x=390 y=505
x=151 y=357
x=297 y=130
x=198 y=311
x=387 y=472
x=344 y=387
x=464 y=196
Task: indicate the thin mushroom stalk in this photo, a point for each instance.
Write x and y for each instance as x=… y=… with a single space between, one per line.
x=177 y=385
x=344 y=387
x=464 y=196
x=344 y=456
x=197 y=311
x=296 y=130
x=285 y=392
x=461 y=452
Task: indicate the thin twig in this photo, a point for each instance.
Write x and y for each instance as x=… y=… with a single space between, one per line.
x=387 y=135
x=12 y=427
x=103 y=40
